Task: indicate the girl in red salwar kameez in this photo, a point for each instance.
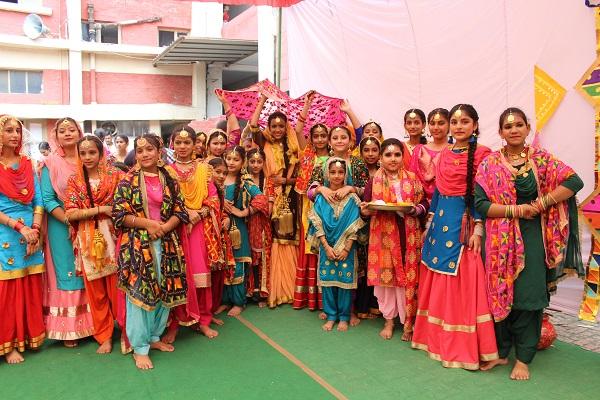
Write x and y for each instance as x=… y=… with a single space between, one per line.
x=21 y=259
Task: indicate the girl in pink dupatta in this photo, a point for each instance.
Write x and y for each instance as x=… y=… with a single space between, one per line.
x=454 y=324
x=526 y=195
x=193 y=177
x=425 y=156
x=394 y=240
x=67 y=312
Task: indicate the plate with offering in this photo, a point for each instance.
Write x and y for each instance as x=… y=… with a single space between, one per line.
x=383 y=206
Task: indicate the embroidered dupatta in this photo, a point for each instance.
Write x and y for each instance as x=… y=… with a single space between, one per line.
x=137 y=276
x=84 y=231
x=423 y=163
x=387 y=266
x=504 y=247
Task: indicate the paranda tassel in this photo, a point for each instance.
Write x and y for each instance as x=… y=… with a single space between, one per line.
x=99 y=248
x=235 y=236
x=466 y=228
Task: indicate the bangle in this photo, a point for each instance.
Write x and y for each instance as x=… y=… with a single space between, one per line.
x=133 y=221
x=38 y=210
x=301 y=118
x=254 y=129
x=228 y=113
x=478 y=230
x=18 y=226
x=66 y=221
x=553 y=199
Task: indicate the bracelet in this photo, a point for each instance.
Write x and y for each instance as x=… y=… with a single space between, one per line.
x=228 y=113
x=553 y=199
x=18 y=226
x=478 y=230
x=254 y=129
x=301 y=118
x=66 y=221
x=38 y=210
x=133 y=221
x=509 y=212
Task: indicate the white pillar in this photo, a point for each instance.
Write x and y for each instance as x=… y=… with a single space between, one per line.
x=199 y=88
x=207 y=20
x=267 y=30
x=154 y=127
x=214 y=80
x=75 y=62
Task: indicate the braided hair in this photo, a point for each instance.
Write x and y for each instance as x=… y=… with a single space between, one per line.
x=421 y=115
x=286 y=157
x=86 y=177
x=471 y=113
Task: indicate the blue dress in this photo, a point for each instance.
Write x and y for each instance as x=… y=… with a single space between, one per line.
x=13 y=263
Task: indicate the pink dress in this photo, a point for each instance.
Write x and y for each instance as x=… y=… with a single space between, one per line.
x=423 y=162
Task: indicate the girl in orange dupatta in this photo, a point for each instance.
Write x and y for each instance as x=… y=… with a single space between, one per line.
x=453 y=323
x=282 y=144
x=258 y=284
x=194 y=182
x=88 y=206
x=394 y=239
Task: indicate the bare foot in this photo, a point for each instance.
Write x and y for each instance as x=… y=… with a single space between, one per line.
x=322 y=316
x=217 y=321
x=70 y=343
x=372 y=316
x=262 y=304
x=388 y=329
x=343 y=326
x=206 y=331
x=142 y=362
x=235 y=311
x=354 y=320
x=221 y=308
x=105 y=347
x=520 y=371
x=327 y=326
x=14 y=357
x=407 y=336
x=169 y=338
x=162 y=346
x=486 y=366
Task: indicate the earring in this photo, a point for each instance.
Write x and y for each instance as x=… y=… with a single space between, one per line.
x=406 y=135
x=137 y=166
x=160 y=163
x=450 y=139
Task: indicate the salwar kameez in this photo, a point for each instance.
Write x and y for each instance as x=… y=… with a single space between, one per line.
x=518 y=305
x=67 y=313
x=338 y=223
x=20 y=277
x=234 y=292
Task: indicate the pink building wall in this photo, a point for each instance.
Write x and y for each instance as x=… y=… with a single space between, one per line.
x=244 y=26
x=175 y=15
x=123 y=88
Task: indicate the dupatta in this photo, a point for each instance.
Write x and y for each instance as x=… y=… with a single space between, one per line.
x=504 y=247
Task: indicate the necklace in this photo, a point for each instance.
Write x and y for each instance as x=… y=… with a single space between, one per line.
x=515 y=156
x=184 y=162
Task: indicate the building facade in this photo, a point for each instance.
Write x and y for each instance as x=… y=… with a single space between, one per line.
x=95 y=63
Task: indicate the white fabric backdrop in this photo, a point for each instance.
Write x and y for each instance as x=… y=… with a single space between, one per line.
x=389 y=56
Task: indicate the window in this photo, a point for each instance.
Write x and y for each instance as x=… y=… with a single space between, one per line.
x=129 y=128
x=165 y=38
x=109 y=34
x=15 y=81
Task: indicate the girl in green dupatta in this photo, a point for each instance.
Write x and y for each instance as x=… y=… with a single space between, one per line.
x=334 y=223
x=527 y=196
x=148 y=206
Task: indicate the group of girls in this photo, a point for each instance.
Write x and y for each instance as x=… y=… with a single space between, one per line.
x=271 y=216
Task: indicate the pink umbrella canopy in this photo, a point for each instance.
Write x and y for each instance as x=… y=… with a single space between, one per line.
x=272 y=3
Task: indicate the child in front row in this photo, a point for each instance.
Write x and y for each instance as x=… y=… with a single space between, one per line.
x=333 y=226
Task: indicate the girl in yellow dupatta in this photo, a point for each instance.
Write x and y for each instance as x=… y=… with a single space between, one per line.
x=194 y=182
x=282 y=144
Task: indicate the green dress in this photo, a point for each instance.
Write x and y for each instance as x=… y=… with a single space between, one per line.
x=530 y=289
